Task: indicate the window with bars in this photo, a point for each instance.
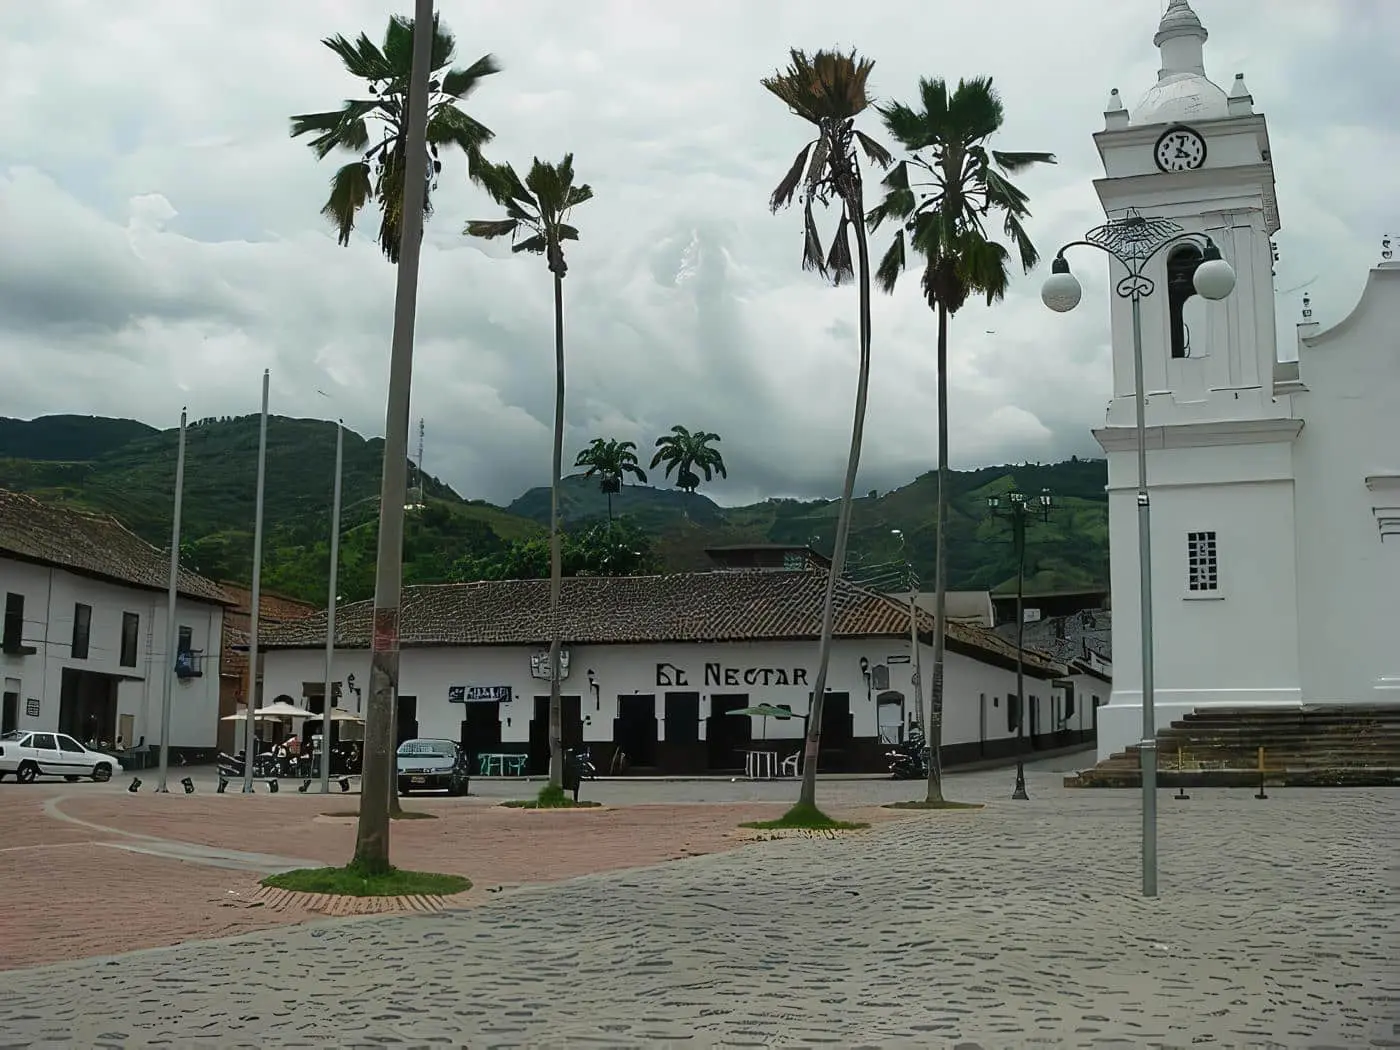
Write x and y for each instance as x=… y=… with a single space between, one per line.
x=1202 y=563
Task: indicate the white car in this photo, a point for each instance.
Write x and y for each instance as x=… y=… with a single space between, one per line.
x=29 y=755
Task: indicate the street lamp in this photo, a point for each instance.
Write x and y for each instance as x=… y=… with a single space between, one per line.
x=1134 y=241
x=915 y=673
x=1020 y=510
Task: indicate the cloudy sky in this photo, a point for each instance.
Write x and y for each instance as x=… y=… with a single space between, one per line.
x=160 y=242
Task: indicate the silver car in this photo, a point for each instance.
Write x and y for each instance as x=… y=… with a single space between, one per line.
x=433 y=765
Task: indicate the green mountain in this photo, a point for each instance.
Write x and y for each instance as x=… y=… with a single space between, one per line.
x=126 y=469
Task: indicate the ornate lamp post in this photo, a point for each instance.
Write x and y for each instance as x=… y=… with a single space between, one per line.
x=1134 y=242
x=1020 y=511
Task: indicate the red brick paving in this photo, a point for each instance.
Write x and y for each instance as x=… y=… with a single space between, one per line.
x=96 y=900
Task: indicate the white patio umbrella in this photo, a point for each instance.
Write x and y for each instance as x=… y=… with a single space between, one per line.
x=242 y=715
x=337 y=715
x=281 y=709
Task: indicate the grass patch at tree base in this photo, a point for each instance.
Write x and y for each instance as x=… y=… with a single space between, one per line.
x=941 y=803
x=804 y=818
x=403 y=814
x=354 y=881
x=550 y=797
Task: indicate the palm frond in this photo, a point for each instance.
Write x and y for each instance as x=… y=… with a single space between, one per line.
x=876 y=153
x=891 y=264
x=839 y=265
x=351 y=189
x=812 y=256
x=460 y=83
x=1020 y=161
x=489 y=229
x=449 y=125
x=781 y=196
x=537 y=244
x=361 y=58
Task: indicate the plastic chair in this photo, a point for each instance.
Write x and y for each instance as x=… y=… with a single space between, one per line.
x=788 y=766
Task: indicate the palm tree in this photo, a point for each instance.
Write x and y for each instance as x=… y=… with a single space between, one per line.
x=537 y=213
x=684 y=452
x=610 y=461
x=379 y=173
x=941 y=195
x=830 y=90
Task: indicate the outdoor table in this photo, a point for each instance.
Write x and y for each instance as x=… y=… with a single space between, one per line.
x=760 y=765
x=500 y=765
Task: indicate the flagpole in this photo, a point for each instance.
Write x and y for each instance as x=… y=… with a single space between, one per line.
x=251 y=706
x=171 y=635
x=330 y=612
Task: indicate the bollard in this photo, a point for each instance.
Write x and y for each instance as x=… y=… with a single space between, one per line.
x=305 y=786
x=1181 y=794
x=344 y=784
x=1261 y=794
x=134 y=786
x=223 y=786
x=272 y=787
x=188 y=785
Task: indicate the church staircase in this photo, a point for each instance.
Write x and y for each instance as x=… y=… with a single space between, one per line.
x=1332 y=745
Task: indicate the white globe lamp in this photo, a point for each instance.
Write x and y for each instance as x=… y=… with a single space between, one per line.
x=1214 y=277
x=1061 y=291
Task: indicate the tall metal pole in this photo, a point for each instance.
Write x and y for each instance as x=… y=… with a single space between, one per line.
x=171 y=631
x=916 y=674
x=1147 y=749
x=376 y=783
x=250 y=708
x=330 y=612
x=1018 y=535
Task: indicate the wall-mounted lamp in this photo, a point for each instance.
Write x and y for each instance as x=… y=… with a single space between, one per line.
x=593 y=687
x=865 y=673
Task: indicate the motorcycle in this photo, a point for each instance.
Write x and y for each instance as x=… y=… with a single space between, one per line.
x=582 y=760
x=909 y=761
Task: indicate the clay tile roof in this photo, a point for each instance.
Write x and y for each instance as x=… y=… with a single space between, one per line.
x=692 y=607
x=90 y=544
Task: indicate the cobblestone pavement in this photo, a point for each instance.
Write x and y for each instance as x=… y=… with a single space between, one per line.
x=1018 y=925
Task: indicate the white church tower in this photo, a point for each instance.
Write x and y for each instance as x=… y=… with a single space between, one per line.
x=1220 y=433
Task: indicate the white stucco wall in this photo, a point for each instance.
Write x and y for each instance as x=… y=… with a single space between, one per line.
x=975 y=692
x=50 y=596
x=1349 y=574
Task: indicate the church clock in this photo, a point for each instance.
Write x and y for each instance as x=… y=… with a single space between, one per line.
x=1180 y=149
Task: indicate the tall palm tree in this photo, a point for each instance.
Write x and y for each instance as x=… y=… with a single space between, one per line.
x=610 y=460
x=829 y=90
x=941 y=194
x=378 y=174
x=684 y=452
x=537 y=214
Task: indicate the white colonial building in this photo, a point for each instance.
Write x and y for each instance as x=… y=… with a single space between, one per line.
x=1275 y=485
x=83 y=650
x=655 y=665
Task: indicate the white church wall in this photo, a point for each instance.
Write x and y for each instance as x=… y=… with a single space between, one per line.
x=1349 y=573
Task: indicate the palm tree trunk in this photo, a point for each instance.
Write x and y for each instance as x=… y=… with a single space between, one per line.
x=808 y=794
x=609 y=495
x=940 y=574
x=556 y=558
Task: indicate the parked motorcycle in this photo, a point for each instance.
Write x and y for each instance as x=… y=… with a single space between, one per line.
x=909 y=761
x=582 y=758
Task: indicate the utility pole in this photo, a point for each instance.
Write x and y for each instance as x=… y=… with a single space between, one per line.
x=326 y=706
x=172 y=595
x=250 y=710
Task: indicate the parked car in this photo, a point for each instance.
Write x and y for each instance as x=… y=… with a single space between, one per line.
x=433 y=765
x=29 y=755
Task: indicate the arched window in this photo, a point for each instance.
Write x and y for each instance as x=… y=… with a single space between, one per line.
x=1181 y=267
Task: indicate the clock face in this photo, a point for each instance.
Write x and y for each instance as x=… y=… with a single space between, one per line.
x=1180 y=149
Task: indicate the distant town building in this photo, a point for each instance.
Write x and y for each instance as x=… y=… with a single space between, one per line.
x=84 y=651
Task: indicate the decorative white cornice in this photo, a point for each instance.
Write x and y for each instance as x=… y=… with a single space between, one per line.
x=1201 y=435
x=1384 y=483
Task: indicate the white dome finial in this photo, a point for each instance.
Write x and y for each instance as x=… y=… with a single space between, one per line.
x=1182 y=92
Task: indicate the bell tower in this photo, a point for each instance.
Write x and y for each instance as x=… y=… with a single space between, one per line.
x=1190 y=163
x=1194 y=154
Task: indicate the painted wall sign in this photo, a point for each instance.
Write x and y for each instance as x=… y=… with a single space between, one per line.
x=31 y=708
x=716 y=674
x=466 y=694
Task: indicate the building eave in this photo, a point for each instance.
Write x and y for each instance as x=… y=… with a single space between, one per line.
x=1201 y=435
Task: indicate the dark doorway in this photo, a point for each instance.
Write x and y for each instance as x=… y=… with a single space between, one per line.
x=634 y=730
x=87 y=706
x=407 y=718
x=726 y=734
x=1034 y=704
x=9 y=712
x=682 y=751
x=481 y=729
x=571 y=731
x=838 y=733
